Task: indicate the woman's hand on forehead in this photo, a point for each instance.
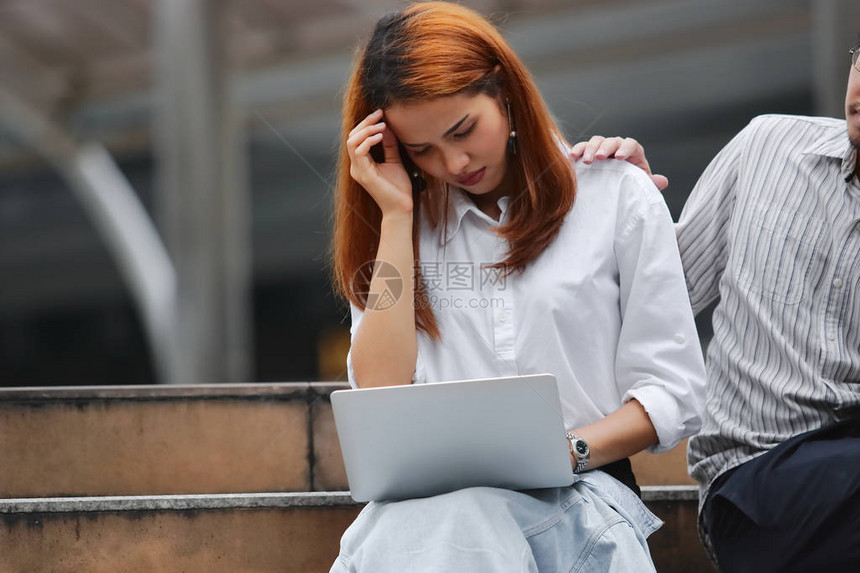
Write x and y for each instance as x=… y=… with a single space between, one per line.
x=387 y=182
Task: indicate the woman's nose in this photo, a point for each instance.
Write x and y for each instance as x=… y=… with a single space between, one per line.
x=456 y=162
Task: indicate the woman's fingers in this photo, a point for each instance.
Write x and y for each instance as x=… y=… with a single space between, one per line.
x=360 y=131
x=370 y=119
x=386 y=181
x=361 y=163
x=360 y=141
x=363 y=149
x=357 y=136
x=389 y=145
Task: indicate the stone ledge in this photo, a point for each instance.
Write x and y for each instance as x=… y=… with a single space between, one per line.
x=260 y=391
x=242 y=500
x=670 y=493
x=175 y=502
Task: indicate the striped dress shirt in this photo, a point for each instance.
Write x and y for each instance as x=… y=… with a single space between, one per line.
x=772 y=229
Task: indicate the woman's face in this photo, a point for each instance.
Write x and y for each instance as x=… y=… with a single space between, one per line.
x=460 y=139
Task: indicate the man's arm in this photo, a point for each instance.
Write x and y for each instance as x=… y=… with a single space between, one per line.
x=703 y=227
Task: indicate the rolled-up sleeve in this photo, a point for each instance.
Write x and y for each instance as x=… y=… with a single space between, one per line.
x=356 y=315
x=659 y=360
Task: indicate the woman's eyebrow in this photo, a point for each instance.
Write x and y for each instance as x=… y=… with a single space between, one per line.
x=454 y=128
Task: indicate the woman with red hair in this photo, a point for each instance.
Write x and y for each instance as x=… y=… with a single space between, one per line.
x=454 y=178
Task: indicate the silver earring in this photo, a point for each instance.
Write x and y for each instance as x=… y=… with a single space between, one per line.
x=512 y=136
x=419 y=184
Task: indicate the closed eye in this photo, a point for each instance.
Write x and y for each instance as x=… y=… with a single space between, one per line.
x=458 y=136
x=465 y=134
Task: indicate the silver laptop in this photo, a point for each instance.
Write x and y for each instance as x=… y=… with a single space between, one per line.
x=402 y=442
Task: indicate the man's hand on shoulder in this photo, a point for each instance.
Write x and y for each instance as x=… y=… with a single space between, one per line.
x=624 y=148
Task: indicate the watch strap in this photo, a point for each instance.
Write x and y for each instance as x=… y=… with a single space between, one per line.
x=580 y=450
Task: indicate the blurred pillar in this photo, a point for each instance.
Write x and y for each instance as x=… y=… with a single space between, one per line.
x=202 y=194
x=836 y=27
x=118 y=216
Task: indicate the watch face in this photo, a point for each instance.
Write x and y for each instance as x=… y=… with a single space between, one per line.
x=581 y=447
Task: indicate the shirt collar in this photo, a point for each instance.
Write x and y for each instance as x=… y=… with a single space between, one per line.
x=459 y=204
x=834 y=143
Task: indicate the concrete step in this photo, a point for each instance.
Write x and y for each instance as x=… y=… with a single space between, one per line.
x=140 y=440
x=238 y=533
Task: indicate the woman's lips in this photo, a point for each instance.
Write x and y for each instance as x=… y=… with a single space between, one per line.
x=472 y=178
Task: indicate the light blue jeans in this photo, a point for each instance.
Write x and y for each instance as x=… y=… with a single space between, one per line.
x=595 y=525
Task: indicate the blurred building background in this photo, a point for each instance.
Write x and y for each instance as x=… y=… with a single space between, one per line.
x=167 y=164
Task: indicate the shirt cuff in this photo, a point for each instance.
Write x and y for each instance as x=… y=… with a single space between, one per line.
x=350 y=373
x=665 y=415
x=420 y=375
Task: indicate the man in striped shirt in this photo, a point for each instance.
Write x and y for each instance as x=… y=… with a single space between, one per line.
x=772 y=230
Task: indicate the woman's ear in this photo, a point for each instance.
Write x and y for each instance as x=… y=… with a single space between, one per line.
x=419 y=183
x=408 y=164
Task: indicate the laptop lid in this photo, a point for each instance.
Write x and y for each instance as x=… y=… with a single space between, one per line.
x=419 y=440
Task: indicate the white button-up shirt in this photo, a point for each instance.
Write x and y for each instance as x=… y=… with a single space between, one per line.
x=604 y=307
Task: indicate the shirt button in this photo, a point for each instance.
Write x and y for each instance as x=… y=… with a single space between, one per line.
x=837 y=283
x=679 y=338
x=831 y=337
x=503 y=316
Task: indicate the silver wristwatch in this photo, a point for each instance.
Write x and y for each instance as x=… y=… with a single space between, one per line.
x=580 y=450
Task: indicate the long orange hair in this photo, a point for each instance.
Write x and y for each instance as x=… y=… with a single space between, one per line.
x=432 y=50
